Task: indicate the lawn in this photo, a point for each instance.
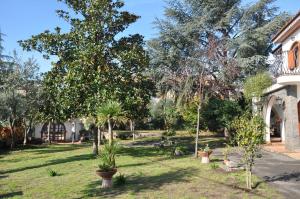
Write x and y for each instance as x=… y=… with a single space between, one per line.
x=150 y=171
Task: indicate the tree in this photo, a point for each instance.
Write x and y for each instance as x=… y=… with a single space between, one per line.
x=254 y=86
x=207 y=48
x=90 y=124
x=50 y=106
x=29 y=71
x=135 y=103
x=96 y=63
x=112 y=113
x=18 y=94
x=249 y=136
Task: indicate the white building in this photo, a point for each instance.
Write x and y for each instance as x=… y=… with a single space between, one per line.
x=281 y=102
x=58 y=131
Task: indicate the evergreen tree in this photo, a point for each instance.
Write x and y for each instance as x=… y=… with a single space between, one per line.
x=208 y=47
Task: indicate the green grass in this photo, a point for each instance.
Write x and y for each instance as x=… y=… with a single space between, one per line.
x=149 y=171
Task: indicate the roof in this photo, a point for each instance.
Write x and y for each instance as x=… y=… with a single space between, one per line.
x=286 y=26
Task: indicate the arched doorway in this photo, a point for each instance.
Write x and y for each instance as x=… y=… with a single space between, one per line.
x=57 y=131
x=275 y=125
x=274 y=118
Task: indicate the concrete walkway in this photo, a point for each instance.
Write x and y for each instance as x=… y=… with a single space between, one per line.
x=281 y=171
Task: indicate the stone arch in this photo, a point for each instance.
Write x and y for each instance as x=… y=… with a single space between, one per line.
x=273 y=106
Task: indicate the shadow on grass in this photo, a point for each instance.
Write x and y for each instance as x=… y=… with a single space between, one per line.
x=12 y=194
x=139 y=183
x=141 y=151
x=52 y=162
x=57 y=148
x=3 y=176
x=285 y=177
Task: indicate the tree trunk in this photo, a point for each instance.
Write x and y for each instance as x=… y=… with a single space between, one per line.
x=12 y=132
x=200 y=92
x=49 y=128
x=99 y=136
x=110 y=133
x=132 y=129
x=198 y=129
x=226 y=133
x=95 y=142
x=27 y=130
x=250 y=178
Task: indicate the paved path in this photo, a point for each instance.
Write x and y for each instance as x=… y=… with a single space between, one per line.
x=281 y=171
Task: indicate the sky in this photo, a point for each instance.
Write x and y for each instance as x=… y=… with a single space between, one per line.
x=20 y=19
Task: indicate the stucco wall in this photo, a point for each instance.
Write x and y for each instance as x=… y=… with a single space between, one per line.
x=68 y=125
x=286 y=46
x=290 y=96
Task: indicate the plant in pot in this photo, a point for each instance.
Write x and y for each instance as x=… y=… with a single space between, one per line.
x=204 y=154
x=107 y=168
x=179 y=151
x=226 y=152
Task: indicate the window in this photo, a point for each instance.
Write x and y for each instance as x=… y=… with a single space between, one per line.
x=294 y=56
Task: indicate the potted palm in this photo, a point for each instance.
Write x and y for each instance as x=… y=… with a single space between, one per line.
x=107 y=168
x=204 y=154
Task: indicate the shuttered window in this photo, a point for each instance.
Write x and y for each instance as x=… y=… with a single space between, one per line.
x=294 y=56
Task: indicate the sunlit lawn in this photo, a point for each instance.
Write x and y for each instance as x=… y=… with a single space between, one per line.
x=150 y=171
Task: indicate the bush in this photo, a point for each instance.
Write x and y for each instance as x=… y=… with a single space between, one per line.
x=120 y=180
x=169 y=133
x=86 y=134
x=123 y=135
x=214 y=165
x=5 y=136
x=51 y=172
x=218 y=114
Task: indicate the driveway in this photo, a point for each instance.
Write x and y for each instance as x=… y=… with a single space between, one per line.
x=280 y=171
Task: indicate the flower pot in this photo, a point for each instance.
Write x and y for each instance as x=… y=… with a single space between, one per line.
x=106 y=177
x=227 y=162
x=178 y=153
x=204 y=156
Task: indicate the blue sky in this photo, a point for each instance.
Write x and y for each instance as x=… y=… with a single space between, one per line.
x=19 y=19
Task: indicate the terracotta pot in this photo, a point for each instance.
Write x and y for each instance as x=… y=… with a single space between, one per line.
x=106 y=174
x=204 y=154
x=106 y=177
x=226 y=162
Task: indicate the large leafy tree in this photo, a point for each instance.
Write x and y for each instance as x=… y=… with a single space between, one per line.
x=95 y=62
x=208 y=47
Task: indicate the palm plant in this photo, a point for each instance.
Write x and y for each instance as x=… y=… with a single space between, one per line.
x=112 y=113
x=108 y=157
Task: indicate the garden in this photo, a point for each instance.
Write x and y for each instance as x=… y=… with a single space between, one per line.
x=158 y=118
x=144 y=171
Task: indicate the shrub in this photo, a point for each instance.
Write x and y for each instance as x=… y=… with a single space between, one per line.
x=255 y=85
x=214 y=165
x=123 y=135
x=51 y=172
x=249 y=136
x=5 y=136
x=169 y=133
x=120 y=180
